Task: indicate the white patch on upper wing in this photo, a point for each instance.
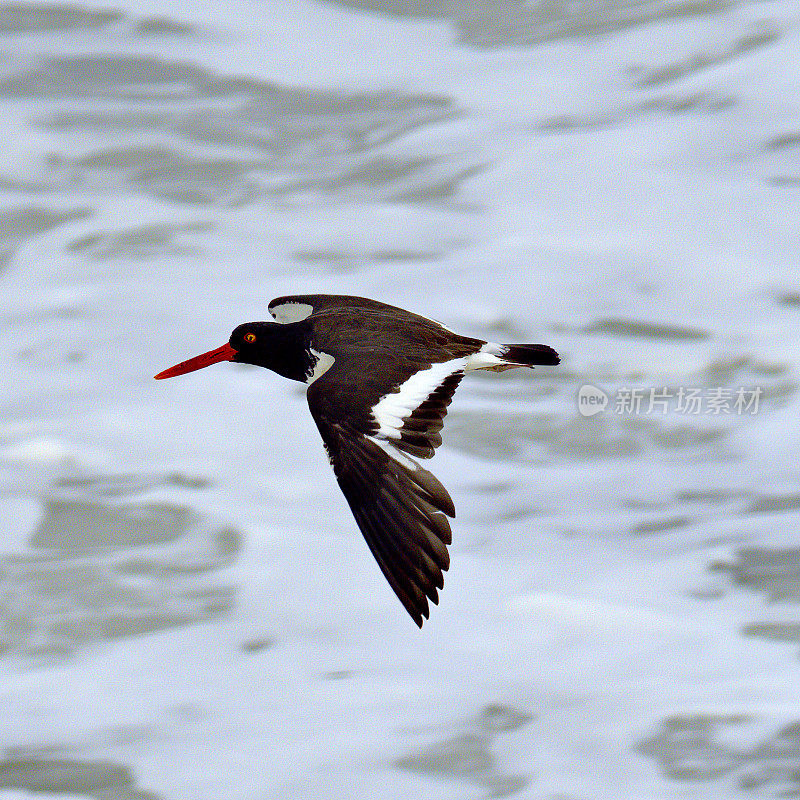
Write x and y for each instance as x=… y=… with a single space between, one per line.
x=291 y=312
x=488 y=356
x=393 y=408
x=323 y=364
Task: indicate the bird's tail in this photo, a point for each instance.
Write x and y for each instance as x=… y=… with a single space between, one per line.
x=529 y=355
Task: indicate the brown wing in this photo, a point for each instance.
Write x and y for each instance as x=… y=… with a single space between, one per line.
x=293 y=308
x=400 y=507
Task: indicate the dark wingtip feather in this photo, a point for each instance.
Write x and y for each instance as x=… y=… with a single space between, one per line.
x=401 y=510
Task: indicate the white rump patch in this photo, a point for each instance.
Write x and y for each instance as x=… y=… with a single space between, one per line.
x=393 y=408
x=487 y=357
x=291 y=312
x=324 y=363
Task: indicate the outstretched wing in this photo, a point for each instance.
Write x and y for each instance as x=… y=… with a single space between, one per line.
x=294 y=308
x=401 y=508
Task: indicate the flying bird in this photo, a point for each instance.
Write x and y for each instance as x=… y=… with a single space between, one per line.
x=379 y=382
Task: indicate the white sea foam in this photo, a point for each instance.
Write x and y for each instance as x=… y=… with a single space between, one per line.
x=618 y=579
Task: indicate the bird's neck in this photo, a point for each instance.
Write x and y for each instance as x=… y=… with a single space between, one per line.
x=289 y=354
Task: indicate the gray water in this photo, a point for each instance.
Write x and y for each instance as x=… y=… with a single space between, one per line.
x=187 y=609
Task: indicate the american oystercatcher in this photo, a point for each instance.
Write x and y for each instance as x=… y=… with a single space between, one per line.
x=379 y=382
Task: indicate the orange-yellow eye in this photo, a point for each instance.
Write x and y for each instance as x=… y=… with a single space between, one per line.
x=249 y=338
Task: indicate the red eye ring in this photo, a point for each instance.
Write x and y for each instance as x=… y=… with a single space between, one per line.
x=249 y=338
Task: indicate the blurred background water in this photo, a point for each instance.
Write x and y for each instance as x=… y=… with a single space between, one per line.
x=187 y=609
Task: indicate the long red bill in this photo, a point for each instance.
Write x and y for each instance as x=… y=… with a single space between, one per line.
x=224 y=353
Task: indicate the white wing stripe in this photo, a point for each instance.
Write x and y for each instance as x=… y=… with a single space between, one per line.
x=392 y=409
x=395 y=454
